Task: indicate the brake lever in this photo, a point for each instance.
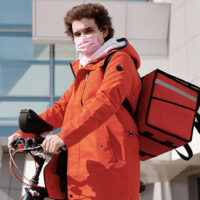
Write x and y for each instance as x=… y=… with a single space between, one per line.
x=19 y=140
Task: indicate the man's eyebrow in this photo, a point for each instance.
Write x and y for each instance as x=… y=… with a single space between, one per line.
x=76 y=32
x=88 y=28
x=85 y=29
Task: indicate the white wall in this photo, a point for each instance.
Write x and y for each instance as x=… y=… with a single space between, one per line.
x=144 y=23
x=148 y=64
x=184 y=62
x=184 y=57
x=185 y=39
x=184 y=48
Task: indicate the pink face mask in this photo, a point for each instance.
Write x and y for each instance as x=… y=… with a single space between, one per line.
x=87 y=44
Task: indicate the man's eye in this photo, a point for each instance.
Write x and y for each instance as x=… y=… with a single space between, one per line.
x=88 y=31
x=77 y=34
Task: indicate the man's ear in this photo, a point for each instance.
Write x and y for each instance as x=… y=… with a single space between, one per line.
x=105 y=31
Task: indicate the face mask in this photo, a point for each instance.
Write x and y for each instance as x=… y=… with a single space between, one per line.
x=87 y=44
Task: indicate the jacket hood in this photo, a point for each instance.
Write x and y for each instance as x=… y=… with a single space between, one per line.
x=129 y=49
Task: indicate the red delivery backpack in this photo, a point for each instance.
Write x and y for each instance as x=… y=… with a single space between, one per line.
x=167 y=112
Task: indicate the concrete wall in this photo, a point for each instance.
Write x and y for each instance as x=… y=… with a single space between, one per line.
x=10 y=189
x=185 y=186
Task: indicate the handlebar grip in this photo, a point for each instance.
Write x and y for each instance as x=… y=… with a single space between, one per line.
x=41 y=193
x=27 y=196
x=63 y=148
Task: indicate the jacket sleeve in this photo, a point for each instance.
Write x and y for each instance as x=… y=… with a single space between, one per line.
x=115 y=86
x=55 y=114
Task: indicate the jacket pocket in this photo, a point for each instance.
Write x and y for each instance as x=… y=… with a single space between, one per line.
x=116 y=144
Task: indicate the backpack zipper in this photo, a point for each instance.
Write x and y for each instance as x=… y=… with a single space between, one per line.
x=84 y=89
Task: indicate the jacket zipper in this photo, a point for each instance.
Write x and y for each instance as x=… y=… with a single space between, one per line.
x=84 y=89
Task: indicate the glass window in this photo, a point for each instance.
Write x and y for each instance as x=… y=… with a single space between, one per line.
x=20 y=47
x=24 y=78
x=5 y=131
x=63 y=78
x=41 y=51
x=10 y=109
x=24 y=66
x=15 y=12
x=65 y=52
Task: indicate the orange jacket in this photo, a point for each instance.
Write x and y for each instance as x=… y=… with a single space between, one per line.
x=101 y=136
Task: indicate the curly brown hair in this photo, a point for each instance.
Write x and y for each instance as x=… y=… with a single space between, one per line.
x=91 y=11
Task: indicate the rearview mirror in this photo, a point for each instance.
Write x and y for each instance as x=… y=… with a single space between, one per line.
x=30 y=122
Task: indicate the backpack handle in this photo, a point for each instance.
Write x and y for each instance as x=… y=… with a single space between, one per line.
x=189 y=151
x=197 y=123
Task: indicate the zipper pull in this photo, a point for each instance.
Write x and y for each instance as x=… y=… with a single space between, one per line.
x=84 y=88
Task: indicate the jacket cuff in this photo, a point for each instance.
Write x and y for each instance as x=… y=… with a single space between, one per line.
x=60 y=135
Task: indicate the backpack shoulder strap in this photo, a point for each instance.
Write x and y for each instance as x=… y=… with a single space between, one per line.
x=125 y=103
x=107 y=60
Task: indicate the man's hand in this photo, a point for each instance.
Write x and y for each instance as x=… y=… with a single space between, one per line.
x=12 y=138
x=52 y=144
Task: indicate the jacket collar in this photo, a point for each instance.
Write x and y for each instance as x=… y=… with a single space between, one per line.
x=92 y=65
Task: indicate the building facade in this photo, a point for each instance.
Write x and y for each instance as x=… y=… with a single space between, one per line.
x=35 y=72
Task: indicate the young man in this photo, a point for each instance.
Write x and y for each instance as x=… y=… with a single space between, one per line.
x=99 y=133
